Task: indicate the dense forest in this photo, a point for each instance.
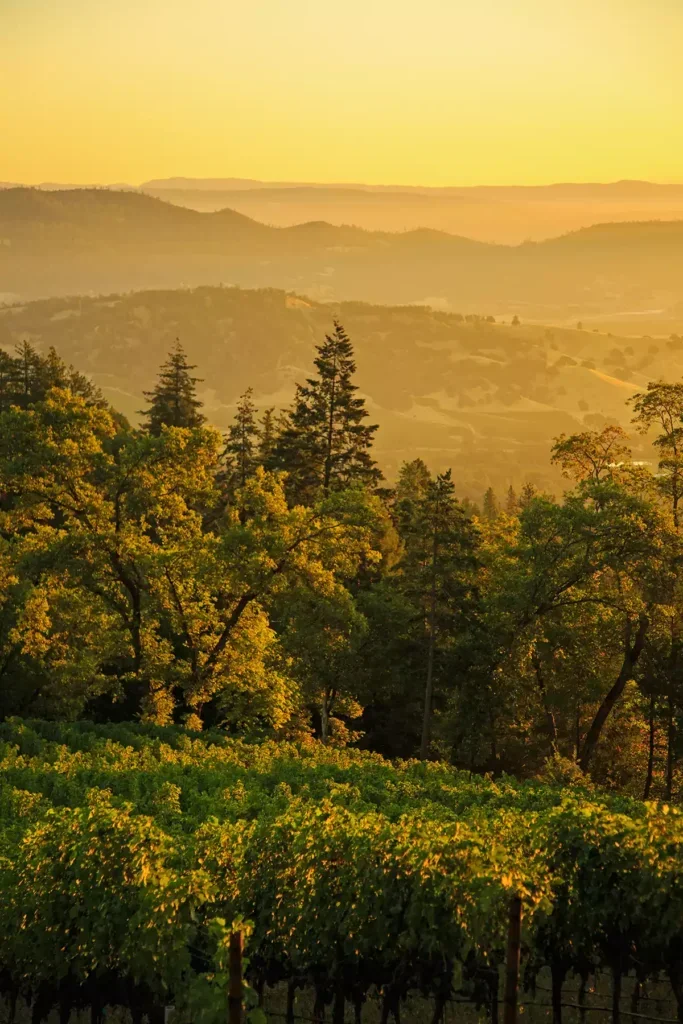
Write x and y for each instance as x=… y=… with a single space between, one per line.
x=268 y=581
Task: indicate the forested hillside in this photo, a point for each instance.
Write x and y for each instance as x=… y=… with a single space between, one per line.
x=268 y=581
x=99 y=241
x=483 y=398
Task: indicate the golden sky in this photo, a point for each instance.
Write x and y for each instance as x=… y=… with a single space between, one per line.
x=433 y=92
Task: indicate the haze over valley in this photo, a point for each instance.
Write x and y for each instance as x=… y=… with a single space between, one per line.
x=483 y=398
x=492 y=213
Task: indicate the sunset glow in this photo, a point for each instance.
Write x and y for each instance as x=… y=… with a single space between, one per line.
x=440 y=92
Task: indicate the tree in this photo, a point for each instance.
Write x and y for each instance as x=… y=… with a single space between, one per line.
x=662 y=681
x=662 y=405
x=326 y=444
x=511 y=502
x=437 y=574
x=268 y=430
x=27 y=377
x=527 y=495
x=593 y=455
x=490 y=505
x=173 y=401
x=242 y=452
x=122 y=588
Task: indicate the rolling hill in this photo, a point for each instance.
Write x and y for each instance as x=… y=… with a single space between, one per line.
x=96 y=241
x=485 y=398
x=506 y=214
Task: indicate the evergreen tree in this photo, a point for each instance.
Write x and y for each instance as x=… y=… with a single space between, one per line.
x=511 y=503
x=242 y=444
x=413 y=481
x=326 y=443
x=437 y=575
x=527 y=495
x=268 y=433
x=173 y=402
x=26 y=378
x=490 y=505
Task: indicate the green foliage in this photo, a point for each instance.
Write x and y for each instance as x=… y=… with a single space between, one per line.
x=126 y=575
x=336 y=865
x=173 y=401
x=326 y=444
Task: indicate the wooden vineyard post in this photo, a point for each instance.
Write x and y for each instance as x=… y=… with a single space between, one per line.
x=235 y=993
x=512 y=962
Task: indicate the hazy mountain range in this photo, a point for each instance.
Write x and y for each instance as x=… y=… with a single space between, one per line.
x=482 y=397
x=97 y=241
x=505 y=214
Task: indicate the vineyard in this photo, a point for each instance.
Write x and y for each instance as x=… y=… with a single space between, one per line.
x=130 y=854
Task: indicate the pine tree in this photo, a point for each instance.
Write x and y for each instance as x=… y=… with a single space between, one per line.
x=490 y=505
x=326 y=444
x=511 y=503
x=173 y=402
x=269 y=429
x=242 y=444
x=527 y=494
x=26 y=374
x=437 y=574
x=26 y=378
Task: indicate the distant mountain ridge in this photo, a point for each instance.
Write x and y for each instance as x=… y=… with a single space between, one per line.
x=506 y=214
x=98 y=241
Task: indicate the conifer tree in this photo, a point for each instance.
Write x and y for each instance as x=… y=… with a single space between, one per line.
x=326 y=444
x=173 y=402
x=490 y=505
x=26 y=378
x=242 y=444
x=267 y=437
x=527 y=495
x=436 y=572
x=511 y=503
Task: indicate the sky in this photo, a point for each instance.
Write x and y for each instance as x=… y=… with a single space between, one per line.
x=432 y=92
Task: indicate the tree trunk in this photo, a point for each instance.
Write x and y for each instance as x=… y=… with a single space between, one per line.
x=558 y=974
x=670 y=740
x=582 y=999
x=339 y=1002
x=616 y=995
x=291 y=1002
x=325 y=708
x=650 y=751
x=631 y=655
x=677 y=986
x=635 y=997
x=493 y=993
x=327 y=473
x=319 y=1005
x=439 y=1006
x=427 y=716
x=551 y=725
x=512 y=962
x=235 y=994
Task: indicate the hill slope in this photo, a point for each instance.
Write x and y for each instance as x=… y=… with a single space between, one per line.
x=98 y=241
x=484 y=398
x=507 y=214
